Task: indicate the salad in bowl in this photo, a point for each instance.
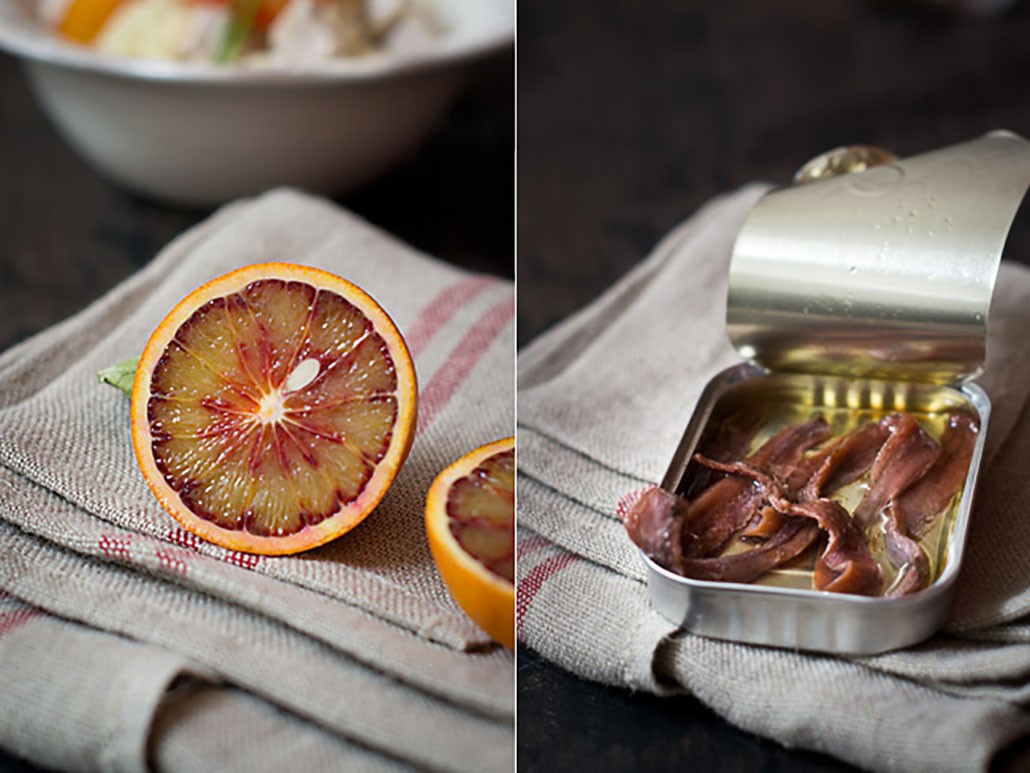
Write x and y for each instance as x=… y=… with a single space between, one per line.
x=203 y=101
x=286 y=32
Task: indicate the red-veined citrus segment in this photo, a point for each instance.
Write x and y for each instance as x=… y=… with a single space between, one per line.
x=470 y=521
x=273 y=407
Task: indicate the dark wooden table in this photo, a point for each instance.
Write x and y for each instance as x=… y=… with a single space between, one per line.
x=631 y=115
x=67 y=235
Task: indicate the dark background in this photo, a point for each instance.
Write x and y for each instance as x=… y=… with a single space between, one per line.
x=630 y=116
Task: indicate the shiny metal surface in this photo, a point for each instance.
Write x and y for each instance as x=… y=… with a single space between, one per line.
x=849 y=159
x=884 y=273
x=784 y=615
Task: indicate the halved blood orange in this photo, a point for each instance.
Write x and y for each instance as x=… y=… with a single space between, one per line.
x=470 y=521
x=273 y=407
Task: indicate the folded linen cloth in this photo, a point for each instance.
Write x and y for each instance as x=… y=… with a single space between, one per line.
x=603 y=399
x=357 y=643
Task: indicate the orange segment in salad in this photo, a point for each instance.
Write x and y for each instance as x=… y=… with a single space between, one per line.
x=85 y=18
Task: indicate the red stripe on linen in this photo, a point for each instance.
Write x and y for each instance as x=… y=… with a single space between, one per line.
x=189 y=540
x=626 y=502
x=440 y=310
x=452 y=374
x=115 y=547
x=184 y=538
x=243 y=560
x=172 y=560
x=11 y=620
x=531 y=545
x=534 y=581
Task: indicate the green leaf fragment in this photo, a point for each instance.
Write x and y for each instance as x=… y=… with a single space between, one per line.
x=120 y=375
x=237 y=31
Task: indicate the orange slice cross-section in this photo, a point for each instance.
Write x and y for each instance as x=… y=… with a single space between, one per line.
x=273 y=407
x=470 y=522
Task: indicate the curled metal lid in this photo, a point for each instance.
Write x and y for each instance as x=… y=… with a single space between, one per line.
x=885 y=273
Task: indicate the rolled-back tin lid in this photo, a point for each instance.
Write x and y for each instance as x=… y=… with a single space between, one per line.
x=886 y=273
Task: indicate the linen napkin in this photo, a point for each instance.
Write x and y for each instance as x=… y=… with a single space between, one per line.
x=603 y=399
x=355 y=651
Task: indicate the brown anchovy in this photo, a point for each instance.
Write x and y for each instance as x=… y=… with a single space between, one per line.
x=906 y=554
x=656 y=521
x=913 y=479
x=832 y=468
x=654 y=524
x=725 y=507
x=731 y=440
x=735 y=434
x=910 y=516
x=920 y=504
x=842 y=462
x=846 y=565
x=766 y=522
x=906 y=456
x=791 y=539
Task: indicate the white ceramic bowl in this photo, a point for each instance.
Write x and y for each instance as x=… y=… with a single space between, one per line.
x=204 y=134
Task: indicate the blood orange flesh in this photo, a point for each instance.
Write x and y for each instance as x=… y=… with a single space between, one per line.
x=470 y=522
x=273 y=407
x=480 y=510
